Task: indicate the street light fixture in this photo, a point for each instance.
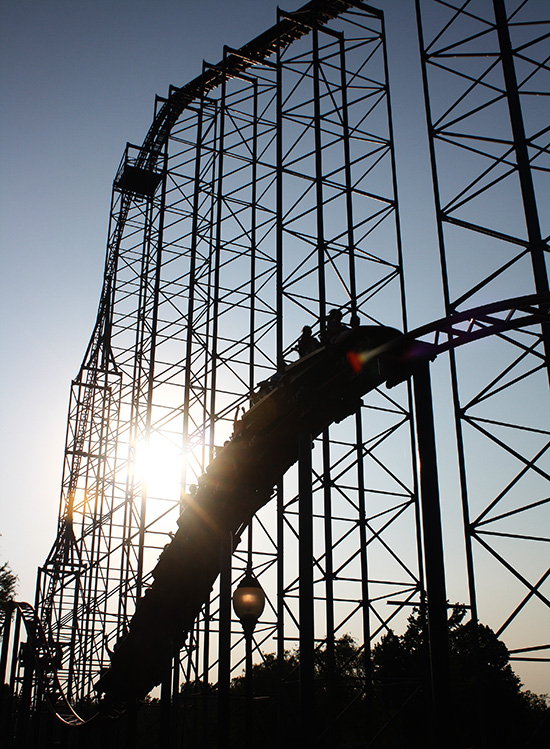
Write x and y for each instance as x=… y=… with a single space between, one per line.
x=248 y=603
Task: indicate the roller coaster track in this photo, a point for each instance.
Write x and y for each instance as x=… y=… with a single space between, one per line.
x=290 y=27
x=166 y=612
x=481 y=322
x=44 y=661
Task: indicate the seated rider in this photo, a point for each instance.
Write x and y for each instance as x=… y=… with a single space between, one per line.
x=335 y=326
x=237 y=423
x=265 y=387
x=307 y=342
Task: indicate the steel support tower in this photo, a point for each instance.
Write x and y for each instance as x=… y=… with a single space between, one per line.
x=485 y=68
x=264 y=195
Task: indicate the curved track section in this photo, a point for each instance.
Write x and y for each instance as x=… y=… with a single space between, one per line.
x=145 y=167
x=45 y=667
x=490 y=319
x=317 y=390
x=291 y=27
x=322 y=388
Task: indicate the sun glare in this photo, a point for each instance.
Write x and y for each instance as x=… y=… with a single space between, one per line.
x=159 y=465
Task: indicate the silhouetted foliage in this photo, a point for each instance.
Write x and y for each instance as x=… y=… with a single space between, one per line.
x=395 y=712
x=388 y=711
x=8 y=583
x=485 y=699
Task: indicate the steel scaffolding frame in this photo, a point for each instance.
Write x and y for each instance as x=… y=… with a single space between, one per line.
x=264 y=195
x=280 y=216
x=485 y=71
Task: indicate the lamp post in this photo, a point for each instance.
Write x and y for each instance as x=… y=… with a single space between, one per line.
x=248 y=603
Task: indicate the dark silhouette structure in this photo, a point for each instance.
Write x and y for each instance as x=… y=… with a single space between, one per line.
x=263 y=196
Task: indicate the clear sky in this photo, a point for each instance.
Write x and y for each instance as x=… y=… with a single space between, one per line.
x=78 y=80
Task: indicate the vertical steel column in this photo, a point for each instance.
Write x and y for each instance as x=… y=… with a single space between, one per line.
x=151 y=373
x=253 y=219
x=10 y=712
x=217 y=259
x=191 y=294
x=6 y=631
x=365 y=593
x=433 y=553
x=399 y=240
x=327 y=498
x=448 y=309
x=6 y=694
x=249 y=709
x=279 y=207
x=24 y=700
x=319 y=212
x=224 y=637
x=281 y=733
x=362 y=514
x=224 y=659
x=536 y=243
x=211 y=341
x=347 y=177
x=73 y=663
x=166 y=712
x=205 y=670
x=433 y=167
x=306 y=602
x=249 y=715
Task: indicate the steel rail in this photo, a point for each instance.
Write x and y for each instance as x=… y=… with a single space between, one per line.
x=482 y=322
x=290 y=27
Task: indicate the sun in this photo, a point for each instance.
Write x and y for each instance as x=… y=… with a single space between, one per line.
x=159 y=464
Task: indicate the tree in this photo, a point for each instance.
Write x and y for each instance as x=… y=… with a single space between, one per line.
x=8 y=583
x=482 y=684
x=393 y=712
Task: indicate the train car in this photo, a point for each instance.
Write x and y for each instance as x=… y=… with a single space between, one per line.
x=317 y=390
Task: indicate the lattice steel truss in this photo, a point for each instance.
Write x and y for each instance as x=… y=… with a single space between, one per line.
x=264 y=195
x=486 y=80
